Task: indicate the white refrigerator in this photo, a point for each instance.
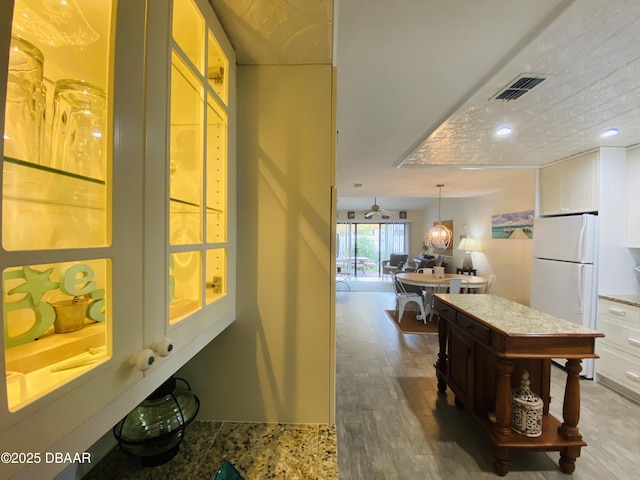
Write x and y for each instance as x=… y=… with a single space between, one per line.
x=564 y=276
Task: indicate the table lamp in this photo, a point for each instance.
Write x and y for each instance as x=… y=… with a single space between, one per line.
x=469 y=245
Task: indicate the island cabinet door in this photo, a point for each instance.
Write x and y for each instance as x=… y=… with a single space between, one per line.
x=461 y=366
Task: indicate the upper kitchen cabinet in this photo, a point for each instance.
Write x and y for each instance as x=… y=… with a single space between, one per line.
x=195 y=165
x=595 y=182
x=69 y=245
x=117 y=230
x=633 y=179
x=570 y=186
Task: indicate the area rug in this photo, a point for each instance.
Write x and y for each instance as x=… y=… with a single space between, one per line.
x=410 y=324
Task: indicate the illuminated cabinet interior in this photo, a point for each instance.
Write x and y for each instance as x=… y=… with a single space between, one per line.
x=117 y=231
x=56 y=194
x=198 y=164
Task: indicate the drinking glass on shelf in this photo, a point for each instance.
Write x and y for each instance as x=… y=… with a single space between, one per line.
x=25 y=107
x=78 y=138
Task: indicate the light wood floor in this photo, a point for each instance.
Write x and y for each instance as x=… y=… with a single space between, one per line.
x=392 y=423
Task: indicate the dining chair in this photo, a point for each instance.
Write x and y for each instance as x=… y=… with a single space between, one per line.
x=403 y=298
x=453 y=285
x=491 y=278
x=427 y=292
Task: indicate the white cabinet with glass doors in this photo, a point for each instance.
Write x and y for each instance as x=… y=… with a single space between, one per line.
x=116 y=253
x=197 y=251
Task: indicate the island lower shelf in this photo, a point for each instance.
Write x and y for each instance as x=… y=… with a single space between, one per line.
x=549 y=440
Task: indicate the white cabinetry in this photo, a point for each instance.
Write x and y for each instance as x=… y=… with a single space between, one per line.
x=633 y=189
x=619 y=362
x=595 y=182
x=115 y=201
x=570 y=186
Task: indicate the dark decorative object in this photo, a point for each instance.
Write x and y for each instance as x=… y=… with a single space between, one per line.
x=403 y=214
x=154 y=429
x=351 y=215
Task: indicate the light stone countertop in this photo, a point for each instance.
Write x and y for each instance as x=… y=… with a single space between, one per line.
x=633 y=300
x=513 y=318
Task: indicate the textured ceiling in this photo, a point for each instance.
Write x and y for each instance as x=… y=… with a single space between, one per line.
x=416 y=78
x=590 y=57
x=275 y=32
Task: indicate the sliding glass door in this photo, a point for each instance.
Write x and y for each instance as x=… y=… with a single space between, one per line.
x=363 y=246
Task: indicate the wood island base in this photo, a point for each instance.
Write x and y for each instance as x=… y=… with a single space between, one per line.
x=481 y=360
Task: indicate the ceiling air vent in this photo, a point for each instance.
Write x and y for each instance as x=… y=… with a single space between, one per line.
x=519 y=87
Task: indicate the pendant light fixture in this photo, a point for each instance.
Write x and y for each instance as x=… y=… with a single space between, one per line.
x=439 y=237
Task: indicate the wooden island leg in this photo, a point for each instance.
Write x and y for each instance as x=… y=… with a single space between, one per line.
x=503 y=415
x=571 y=416
x=441 y=363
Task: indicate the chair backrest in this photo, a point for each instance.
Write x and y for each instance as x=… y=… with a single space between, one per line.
x=395 y=259
x=491 y=278
x=453 y=285
x=402 y=288
x=397 y=285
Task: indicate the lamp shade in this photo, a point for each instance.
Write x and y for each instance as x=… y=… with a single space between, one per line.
x=469 y=244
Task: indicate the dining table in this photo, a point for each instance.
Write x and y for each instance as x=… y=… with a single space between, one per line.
x=429 y=280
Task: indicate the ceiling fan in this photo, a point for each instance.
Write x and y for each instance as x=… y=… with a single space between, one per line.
x=376 y=210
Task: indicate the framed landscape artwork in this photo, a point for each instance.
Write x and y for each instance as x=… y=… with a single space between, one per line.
x=518 y=225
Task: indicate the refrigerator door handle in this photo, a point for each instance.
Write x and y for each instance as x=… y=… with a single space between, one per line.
x=581 y=238
x=581 y=289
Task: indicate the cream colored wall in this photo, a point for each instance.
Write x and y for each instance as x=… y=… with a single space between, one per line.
x=275 y=363
x=510 y=260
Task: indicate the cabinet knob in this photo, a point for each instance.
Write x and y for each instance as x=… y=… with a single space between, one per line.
x=143 y=360
x=163 y=347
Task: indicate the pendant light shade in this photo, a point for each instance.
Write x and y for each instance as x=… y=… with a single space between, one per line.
x=439 y=237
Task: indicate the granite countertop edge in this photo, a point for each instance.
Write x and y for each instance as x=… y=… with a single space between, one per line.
x=633 y=300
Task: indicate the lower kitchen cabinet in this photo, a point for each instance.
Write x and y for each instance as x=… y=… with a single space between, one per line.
x=619 y=364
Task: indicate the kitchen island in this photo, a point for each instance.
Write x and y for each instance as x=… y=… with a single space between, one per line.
x=483 y=340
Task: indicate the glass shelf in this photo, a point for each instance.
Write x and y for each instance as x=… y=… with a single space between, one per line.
x=29 y=182
x=195 y=208
x=47 y=208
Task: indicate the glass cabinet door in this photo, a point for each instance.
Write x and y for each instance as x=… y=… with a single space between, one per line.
x=197 y=164
x=56 y=257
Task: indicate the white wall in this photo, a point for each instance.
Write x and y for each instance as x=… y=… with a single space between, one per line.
x=510 y=260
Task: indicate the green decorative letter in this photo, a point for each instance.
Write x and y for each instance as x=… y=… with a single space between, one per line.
x=70 y=280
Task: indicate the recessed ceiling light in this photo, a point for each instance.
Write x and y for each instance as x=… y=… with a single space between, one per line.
x=504 y=131
x=612 y=132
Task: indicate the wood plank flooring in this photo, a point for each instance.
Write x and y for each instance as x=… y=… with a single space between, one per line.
x=392 y=423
